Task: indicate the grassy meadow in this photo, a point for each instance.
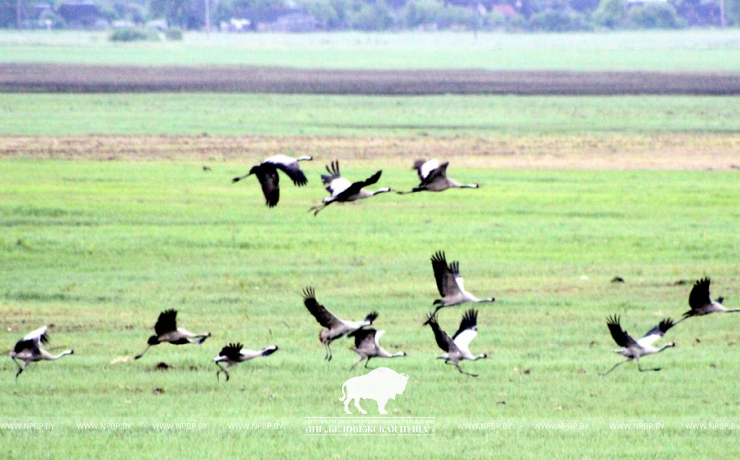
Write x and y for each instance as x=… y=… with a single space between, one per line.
x=99 y=248
x=114 y=208
x=321 y=115
x=694 y=50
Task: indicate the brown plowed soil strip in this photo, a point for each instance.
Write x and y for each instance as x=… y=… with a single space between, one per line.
x=674 y=151
x=61 y=78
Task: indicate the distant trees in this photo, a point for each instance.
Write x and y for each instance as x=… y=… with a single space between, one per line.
x=377 y=15
x=610 y=13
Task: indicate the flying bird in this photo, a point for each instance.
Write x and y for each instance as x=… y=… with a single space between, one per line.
x=166 y=331
x=634 y=349
x=701 y=302
x=342 y=190
x=335 y=327
x=267 y=174
x=368 y=347
x=450 y=283
x=29 y=349
x=433 y=177
x=233 y=354
x=457 y=348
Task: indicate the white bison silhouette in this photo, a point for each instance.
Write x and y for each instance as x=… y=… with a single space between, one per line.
x=380 y=384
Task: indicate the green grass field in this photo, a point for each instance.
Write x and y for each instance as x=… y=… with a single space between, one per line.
x=99 y=248
x=284 y=115
x=107 y=217
x=695 y=50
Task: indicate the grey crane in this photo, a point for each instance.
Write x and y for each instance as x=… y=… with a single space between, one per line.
x=368 y=347
x=457 y=348
x=433 y=177
x=234 y=353
x=335 y=327
x=267 y=174
x=166 y=331
x=342 y=190
x=29 y=349
x=701 y=302
x=450 y=283
x=634 y=349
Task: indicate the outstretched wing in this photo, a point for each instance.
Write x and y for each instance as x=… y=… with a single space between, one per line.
x=167 y=322
x=232 y=351
x=30 y=345
x=270 y=182
x=655 y=333
x=294 y=172
x=620 y=336
x=355 y=187
x=38 y=335
x=334 y=173
x=699 y=296
x=440 y=172
x=365 y=338
x=445 y=274
x=322 y=315
x=468 y=329
x=443 y=340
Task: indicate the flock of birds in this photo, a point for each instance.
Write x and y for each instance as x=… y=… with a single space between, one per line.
x=701 y=304
x=450 y=284
x=432 y=176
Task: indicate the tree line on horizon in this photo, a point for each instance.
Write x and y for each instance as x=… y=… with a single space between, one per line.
x=393 y=15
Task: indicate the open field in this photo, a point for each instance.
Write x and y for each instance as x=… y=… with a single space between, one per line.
x=595 y=152
x=100 y=247
x=64 y=78
x=115 y=207
x=363 y=116
x=686 y=50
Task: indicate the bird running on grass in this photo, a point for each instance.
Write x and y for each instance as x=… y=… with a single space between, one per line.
x=29 y=349
x=342 y=190
x=269 y=179
x=457 y=348
x=233 y=354
x=166 y=331
x=450 y=283
x=335 y=327
x=433 y=177
x=701 y=302
x=368 y=347
x=634 y=349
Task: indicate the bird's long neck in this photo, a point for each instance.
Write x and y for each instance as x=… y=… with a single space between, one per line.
x=488 y=299
x=382 y=190
x=667 y=345
x=51 y=357
x=400 y=354
x=304 y=158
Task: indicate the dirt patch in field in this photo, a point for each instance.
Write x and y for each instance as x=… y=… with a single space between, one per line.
x=66 y=78
x=675 y=151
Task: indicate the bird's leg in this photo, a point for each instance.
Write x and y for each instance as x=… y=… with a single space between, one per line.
x=20 y=369
x=142 y=353
x=457 y=365
x=358 y=362
x=317 y=209
x=328 y=352
x=682 y=319
x=645 y=370
x=615 y=366
x=221 y=369
x=368 y=362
